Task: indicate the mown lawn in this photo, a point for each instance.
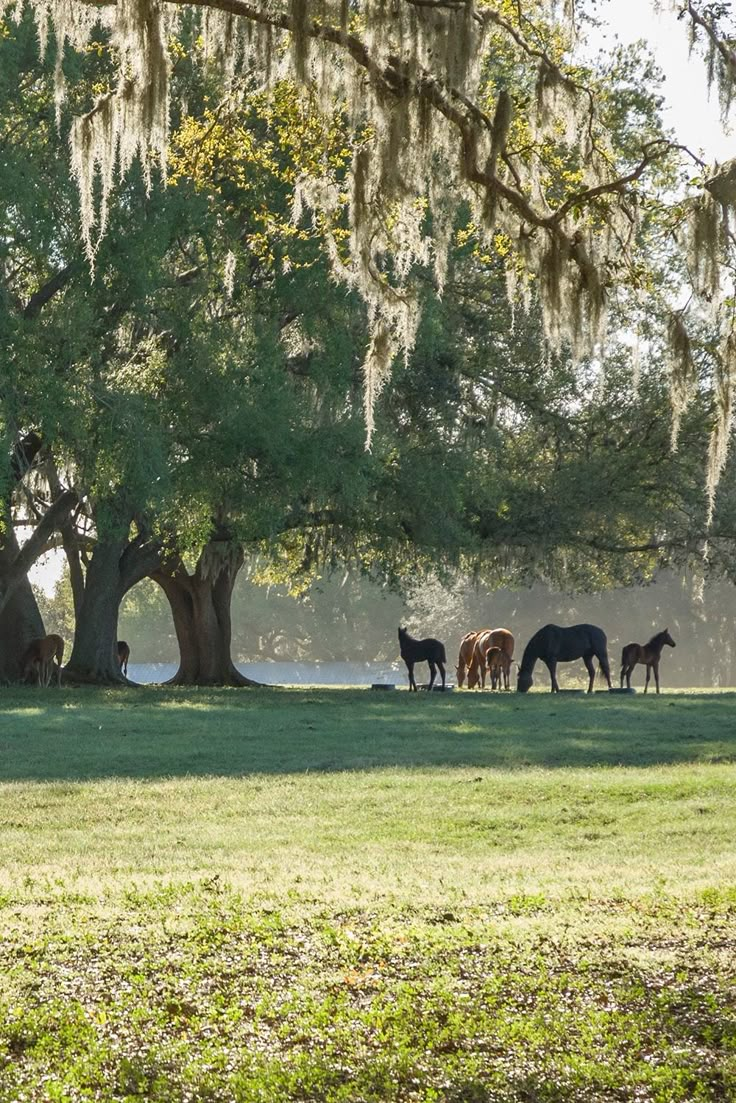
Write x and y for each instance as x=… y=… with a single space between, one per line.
x=311 y=895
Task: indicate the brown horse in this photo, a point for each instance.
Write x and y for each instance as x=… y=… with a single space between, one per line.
x=39 y=658
x=465 y=657
x=489 y=637
x=648 y=654
x=499 y=664
x=123 y=656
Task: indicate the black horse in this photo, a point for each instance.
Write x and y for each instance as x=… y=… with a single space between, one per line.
x=554 y=645
x=422 y=651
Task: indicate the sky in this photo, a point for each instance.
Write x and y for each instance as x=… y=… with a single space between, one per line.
x=689 y=111
x=693 y=115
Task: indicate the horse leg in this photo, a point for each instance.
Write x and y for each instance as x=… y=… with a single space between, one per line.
x=410 y=672
x=552 y=668
x=442 y=672
x=656 y=675
x=432 y=673
x=590 y=667
x=649 y=674
x=606 y=668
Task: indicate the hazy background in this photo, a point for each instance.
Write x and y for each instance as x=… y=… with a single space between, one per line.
x=348 y=619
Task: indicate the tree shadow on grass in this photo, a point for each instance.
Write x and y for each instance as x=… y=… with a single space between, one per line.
x=88 y=733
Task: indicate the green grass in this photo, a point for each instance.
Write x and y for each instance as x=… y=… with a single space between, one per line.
x=306 y=895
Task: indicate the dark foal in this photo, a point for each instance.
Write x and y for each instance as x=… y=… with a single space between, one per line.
x=422 y=651
x=648 y=654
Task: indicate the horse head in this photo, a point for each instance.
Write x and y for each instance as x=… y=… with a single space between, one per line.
x=524 y=682
x=667 y=638
x=460 y=675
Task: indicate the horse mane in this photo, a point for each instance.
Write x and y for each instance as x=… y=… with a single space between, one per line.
x=657 y=638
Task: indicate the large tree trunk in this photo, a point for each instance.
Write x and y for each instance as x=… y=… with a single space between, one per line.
x=20 y=620
x=200 y=606
x=94 y=654
x=116 y=565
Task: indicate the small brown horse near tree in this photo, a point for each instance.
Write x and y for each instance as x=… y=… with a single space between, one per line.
x=39 y=659
x=123 y=656
x=648 y=655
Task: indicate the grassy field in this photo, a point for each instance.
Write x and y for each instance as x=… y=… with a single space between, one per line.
x=306 y=895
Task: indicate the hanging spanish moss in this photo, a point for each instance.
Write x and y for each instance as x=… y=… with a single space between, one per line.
x=682 y=370
x=725 y=385
x=429 y=138
x=128 y=124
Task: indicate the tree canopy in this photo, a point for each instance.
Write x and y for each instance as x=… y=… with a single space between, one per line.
x=448 y=103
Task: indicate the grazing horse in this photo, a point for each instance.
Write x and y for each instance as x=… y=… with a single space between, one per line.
x=554 y=645
x=39 y=658
x=465 y=658
x=489 y=637
x=647 y=654
x=123 y=656
x=422 y=651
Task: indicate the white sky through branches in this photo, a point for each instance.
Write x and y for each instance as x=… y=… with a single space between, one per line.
x=695 y=118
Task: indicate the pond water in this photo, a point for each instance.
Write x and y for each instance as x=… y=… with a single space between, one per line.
x=288 y=674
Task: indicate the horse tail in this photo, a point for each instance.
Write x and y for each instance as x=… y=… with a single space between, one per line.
x=443 y=654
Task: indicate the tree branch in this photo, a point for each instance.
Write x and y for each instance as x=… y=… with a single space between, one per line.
x=46 y=292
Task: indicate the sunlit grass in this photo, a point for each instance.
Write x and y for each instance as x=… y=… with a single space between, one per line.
x=339 y=895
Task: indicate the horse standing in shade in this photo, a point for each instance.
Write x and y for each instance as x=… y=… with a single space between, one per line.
x=465 y=657
x=123 y=656
x=648 y=655
x=554 y=645
x=422 y=651
x=39 y=656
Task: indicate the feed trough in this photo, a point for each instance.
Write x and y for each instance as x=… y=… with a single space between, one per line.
x=441 y=689
x=383 y=685
x=625 y=691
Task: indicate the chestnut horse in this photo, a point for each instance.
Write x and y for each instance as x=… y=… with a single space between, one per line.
x=647 y=654
x=489 y=637
x=499 y=666
x=465 y=658
x=123 y=656
x=39 y=657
